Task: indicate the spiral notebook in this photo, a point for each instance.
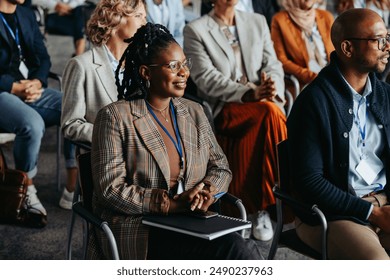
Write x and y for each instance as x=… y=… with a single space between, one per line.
x=204 y=228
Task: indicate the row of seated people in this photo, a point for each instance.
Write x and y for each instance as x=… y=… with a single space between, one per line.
x=247 y=139
x=294 y=19
x=243 y=124
x=242 y=82
x=89 y=85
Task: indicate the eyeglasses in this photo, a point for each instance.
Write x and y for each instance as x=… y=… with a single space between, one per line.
x=382 y=41
x=176 y=65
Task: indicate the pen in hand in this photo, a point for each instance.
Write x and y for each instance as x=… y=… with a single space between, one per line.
x=218 y=195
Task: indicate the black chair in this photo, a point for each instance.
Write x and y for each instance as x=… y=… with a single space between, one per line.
x=291 y=92
x=282 y=192
x=83 y=208
x=80 y=148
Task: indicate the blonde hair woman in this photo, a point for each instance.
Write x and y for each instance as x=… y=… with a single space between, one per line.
x=88 y=79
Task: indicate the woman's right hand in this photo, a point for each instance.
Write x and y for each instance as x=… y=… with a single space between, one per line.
x=192 y=199
x=266 y=90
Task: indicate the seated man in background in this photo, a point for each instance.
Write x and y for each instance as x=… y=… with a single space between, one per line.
x=339 y=138
x=65 y=18
x=27 y=106
x=168 y=13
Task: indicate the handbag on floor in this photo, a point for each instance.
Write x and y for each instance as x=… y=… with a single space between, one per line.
x=13 y=189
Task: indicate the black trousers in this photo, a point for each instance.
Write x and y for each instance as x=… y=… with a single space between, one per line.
x=69 y=25
x=169 y=245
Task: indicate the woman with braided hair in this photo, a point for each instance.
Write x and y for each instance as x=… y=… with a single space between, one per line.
x=154 y=152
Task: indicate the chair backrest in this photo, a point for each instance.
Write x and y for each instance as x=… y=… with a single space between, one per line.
x=286 y=184
x=205 y=105
x=286 y=205
x=86 y=182
x=283 y=166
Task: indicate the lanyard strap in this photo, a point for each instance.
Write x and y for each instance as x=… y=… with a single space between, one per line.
x=176 y=144
x=15 y=35
x=362 y=129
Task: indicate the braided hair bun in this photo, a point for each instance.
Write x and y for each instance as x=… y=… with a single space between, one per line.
x=144 y=46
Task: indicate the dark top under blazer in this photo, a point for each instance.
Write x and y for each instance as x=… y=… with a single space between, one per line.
x=318 y=131
x=34 y=49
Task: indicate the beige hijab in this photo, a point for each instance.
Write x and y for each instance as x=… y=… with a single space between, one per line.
x=305 y=19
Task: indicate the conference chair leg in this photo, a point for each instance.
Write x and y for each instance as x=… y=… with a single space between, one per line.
x=59 y=158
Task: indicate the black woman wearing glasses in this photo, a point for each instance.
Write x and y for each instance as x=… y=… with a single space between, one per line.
x=339 y=136
x=154 y=152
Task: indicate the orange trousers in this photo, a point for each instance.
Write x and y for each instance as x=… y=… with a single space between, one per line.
x=248 y=134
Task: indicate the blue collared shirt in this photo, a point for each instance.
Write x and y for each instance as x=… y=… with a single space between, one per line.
x=374 y=143
x=113 y=62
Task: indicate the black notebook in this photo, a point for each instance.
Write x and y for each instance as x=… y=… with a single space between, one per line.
x=210 y=228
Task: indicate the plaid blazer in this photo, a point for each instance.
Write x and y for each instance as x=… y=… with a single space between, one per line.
x=130 y=168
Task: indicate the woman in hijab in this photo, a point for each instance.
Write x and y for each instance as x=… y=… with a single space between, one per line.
x=301 y=36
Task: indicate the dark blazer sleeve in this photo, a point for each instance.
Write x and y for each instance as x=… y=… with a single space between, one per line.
x=36 y=55
x=34 y=50
x=266 y=8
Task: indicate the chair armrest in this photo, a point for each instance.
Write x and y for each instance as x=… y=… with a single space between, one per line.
x=291 y=201
x=227 y=197
x=99 y=223
x=87 y=215
x=295 y=82
x=82 y=145
x=55 y=76
x=312 y=209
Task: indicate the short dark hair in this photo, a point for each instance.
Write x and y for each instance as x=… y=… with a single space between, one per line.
x=144 y=46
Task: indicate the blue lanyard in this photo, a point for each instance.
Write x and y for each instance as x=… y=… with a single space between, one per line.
x=178 y=143
x=15 y=35
x=362 y=129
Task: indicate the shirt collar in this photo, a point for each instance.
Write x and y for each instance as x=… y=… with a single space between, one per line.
x=113 y=61
x=366 y=92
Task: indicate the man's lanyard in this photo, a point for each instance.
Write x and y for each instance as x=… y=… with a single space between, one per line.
x=362 y=129
x=178 y=143
x=15 y=35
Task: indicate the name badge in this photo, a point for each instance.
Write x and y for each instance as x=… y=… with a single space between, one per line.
x=180 y=187
x=369 y=168
x=23 y=69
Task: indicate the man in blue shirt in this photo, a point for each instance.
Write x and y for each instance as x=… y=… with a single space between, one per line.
x=339 y=142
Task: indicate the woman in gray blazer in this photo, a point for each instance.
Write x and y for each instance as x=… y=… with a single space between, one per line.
x=88 y=79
